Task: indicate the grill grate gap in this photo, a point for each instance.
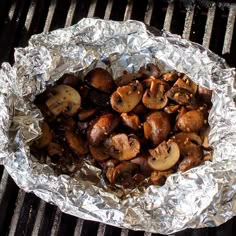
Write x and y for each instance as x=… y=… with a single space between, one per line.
x=101 y=8
x=47 y=221
x=135 y=233
x=178 y=19
x=5 y=7
x=136 y=13
x=159 y=13
x=198 y=26
x=1 y=172
x=112 y=231
x=27 y=215
x=7 y=202
x=59 y=17
x=89 y=228
x=218 y=30
x=67 y=225
x=81 y=10
x=118 y=10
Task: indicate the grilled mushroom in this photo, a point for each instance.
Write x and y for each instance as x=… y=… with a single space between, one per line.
x=100 y=79
x=205 y=94
x=191 y=121
x=164 y=156
x=189 y=144
x=122 y=172
x=170 y=76
x=76 y=143
x=127 y=78
x=64 y=100
x=85 y=114
x=189 y=162
x=125 y=98
x=54 y=149
x=187 y=84
x=204 y=133
x=131 y=120
x=157 y=127
x=155 y=98
x=159 y=177
x=99 y=153
x=102 y=127
x=142 y=161
x=150 y=70
x=181 y=96
x=46 y=137
x=171 y=109
x=124 y=147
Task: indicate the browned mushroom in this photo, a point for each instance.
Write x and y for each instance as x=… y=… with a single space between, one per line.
x=122 y=172
x=181 y=96
x=125 y=98
x=187 y=84
x=171 y=109
x=131 y=120
x=54 y=149
x=64 y=100
x=127 y=78
x=150 y=70
x=85 y=114
x=191 y=121
x=102 y=127
x=204 y=134
x=142 y=161
x=140 y=109
x=100 y=79
x=46 y=137
x=208 y=156
x=189 y=144
x=170 y=76
x=189 y=162
x=124 y=147
x=205 y=94
x=159 y=177
x=157 y=127
x=155 y=98
x=70 y=80
x=99 y=98
x=164 y=156
x=76 y=143
x=99 y=153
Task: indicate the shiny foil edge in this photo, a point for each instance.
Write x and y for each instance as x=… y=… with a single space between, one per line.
x=201 y=197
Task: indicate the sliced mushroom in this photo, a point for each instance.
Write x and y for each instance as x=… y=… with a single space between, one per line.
x=140 y=109
x=85 y=114
x=125 y=98
x=157 y=127
x=187 y=84
x=148 y=82
x=99 y=153
x=100 y=79
x=164 y=156
x=181 y=96
x=102 y=127
x=127 y=78
x=159 y=177
x=64 y=100
x=208 y=157
x=49 y=117
x=170 y=76
x=131 y=120
x=188 y=163
x=204 y=134
x=46 y=137
x=155 y=98
x=171 y=109
x=76 y=143
x=189 y=144
x=123 y=172
x=124 y=147
x=191 y=121
x=66 y=123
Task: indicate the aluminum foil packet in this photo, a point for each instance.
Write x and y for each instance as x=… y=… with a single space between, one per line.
x=204 y=196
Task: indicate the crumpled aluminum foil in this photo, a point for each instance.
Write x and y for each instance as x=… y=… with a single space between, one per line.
x=203 y=196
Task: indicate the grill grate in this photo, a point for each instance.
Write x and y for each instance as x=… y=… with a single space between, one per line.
x=209 y=24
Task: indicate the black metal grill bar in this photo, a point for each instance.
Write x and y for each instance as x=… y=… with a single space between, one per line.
x=31 y=215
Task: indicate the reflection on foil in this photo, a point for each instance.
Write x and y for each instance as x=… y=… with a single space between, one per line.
x=203 y=196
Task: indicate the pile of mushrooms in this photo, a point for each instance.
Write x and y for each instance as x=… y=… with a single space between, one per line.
x=140 y=126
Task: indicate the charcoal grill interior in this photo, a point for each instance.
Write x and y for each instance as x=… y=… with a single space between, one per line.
x=210 y=23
